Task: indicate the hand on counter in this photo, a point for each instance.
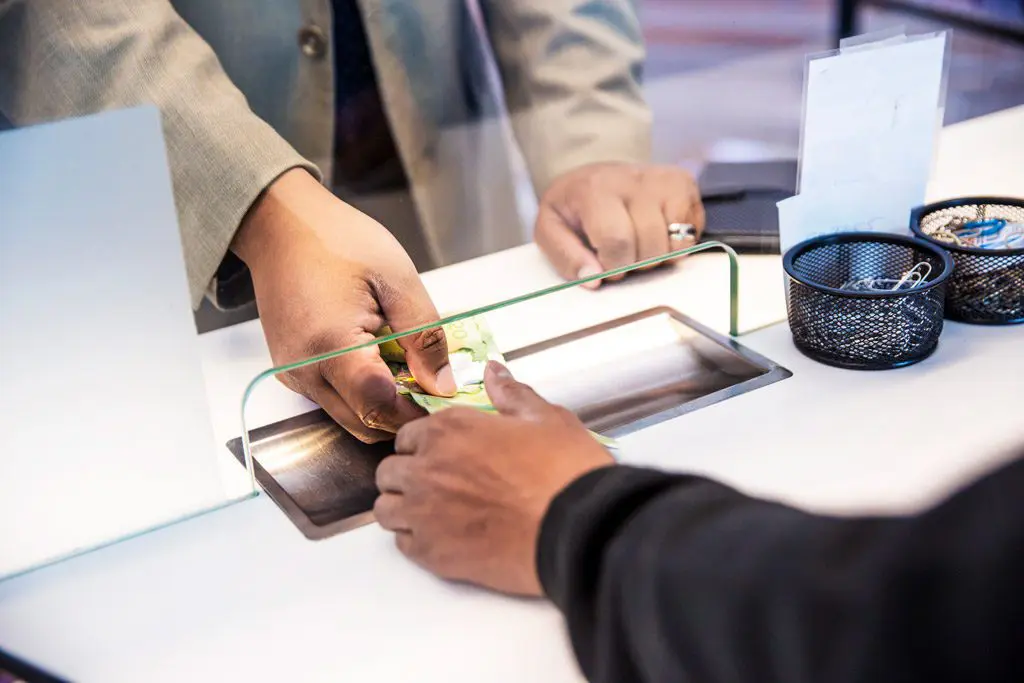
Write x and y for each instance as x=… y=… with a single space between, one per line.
x=466 y=492
x=326 y=276
x=608 y=215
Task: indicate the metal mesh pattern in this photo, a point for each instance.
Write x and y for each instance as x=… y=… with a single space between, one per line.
x=864 y=330
x=987 y=286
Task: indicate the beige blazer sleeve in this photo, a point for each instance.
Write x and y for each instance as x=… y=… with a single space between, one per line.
x=571 y=71
x=61 y=59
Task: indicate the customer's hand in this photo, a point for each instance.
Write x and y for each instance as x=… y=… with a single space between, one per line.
x=608 y=215
x=327 y=277
x=467 y=491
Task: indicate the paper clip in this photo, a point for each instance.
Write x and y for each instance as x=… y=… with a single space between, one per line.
x=978 y=232
x=1014 y=235
x=948 y=232
x=995 y=233
x=921 y=274
x=982 y=233
x=914 y=277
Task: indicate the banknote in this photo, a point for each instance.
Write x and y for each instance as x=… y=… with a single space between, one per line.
x=470 y=346
x=477 y=397
x=474 y=396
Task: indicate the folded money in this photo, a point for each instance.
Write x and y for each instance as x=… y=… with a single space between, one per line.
x=470 y=346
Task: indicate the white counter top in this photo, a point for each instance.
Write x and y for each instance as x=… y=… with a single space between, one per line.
x=239 y=594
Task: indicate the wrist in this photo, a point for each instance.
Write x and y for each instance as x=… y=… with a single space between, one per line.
x=268 y=223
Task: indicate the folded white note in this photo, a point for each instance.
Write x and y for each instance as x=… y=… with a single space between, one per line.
x=854 y=207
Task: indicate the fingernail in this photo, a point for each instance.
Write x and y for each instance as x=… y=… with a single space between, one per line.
x=498 y=370
x=586 y=271
x=446 y=385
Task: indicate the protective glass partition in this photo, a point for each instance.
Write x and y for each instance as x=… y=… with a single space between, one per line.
x=147 y=447
x=622 y=358
x=657 y=344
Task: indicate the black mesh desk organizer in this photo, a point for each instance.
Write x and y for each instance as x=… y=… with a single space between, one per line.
x=987 y=287
x=865 y=330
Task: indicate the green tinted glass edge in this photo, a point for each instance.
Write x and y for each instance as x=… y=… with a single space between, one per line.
x=704 y=246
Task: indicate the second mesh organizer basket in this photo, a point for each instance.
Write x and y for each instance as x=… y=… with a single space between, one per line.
x=866 y=301
x=985 y=236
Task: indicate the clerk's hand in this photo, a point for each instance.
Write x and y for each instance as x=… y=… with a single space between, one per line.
x=608 y=215
x=467 y=491
x=327 y=277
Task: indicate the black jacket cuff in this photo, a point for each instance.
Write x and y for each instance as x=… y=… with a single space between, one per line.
x=582 y=518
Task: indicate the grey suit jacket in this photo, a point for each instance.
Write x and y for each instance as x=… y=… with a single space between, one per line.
x=242 y=102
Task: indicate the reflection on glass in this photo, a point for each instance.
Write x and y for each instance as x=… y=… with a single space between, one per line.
x=635 y=371
x=733 y=305
x=620 y=362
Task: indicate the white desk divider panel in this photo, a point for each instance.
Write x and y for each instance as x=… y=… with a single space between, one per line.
x=104 y=426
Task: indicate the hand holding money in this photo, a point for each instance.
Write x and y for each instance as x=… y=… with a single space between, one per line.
x=465 y=492
x=470 y=346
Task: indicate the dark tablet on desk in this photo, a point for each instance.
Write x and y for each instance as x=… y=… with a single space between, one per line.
x=740 y=202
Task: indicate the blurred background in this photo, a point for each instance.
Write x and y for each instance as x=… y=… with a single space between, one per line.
x=724 y=78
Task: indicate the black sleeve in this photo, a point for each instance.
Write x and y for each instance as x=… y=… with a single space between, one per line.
x=677 y=578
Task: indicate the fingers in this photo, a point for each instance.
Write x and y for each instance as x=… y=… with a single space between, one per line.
x=328 y=398
x=676 y=209
x=609 y=228
x=699 y=216
x=393 y=473
x=511 y=397
x=411 y=436
x=366 y=385
x=651 y=226
x=418 y=436
x=682 y=203
x=389 y=511
x=370 y=406
x=618 y=213
x=404 y=541
x=564 y=247
x=406 y=306
x=427 y=356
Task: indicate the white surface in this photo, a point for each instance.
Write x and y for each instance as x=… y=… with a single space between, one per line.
x=241 y=595
x=104 y=427
x=981 y=157
x=846 y=442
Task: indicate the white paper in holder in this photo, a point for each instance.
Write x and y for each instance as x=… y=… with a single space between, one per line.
x=871 y=118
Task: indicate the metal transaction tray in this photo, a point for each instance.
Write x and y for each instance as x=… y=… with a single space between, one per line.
x=619 y=376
